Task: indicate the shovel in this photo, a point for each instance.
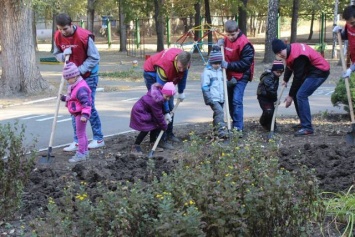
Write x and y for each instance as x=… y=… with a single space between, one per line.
x=46 y=159
x=271 y=134
x=350 y=136
x=226 y=101
x=151 y=153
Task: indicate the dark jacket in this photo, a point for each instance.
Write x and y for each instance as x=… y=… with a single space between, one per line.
x=147 y=112
x=268 y=85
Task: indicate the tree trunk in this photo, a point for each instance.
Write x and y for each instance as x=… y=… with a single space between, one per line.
x=34 y=32
x=197 y=7
x=271 y=30
x=90 y=15
x=123 y=29
x=243 y=17
x=311 y=27
x=159 y=24
x=294 y=20
x=20 y=74
x=209 y=22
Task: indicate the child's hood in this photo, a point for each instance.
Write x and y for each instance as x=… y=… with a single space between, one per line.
x=155 y=92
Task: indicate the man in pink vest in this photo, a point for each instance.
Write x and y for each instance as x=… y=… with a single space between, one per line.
x=239 y=64
x=309 y=71
x=169 y=65
x=348 y=34
x=79 y=44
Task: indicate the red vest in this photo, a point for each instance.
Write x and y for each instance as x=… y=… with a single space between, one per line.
x=78 y=43
x=165 y=60
x=232 y=53
x=315 y=57
x=351 y=38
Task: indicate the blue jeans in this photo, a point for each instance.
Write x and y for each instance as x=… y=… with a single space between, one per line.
x=235 y=99
x=95 y=121
x=150 y=79
x=307 y=88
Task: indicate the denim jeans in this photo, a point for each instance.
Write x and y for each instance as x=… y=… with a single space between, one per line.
x=95 y=121
x=307 y=88
x=235 y=99
x=150 y=79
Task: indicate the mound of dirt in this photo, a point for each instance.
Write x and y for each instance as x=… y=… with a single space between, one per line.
x=327 y=152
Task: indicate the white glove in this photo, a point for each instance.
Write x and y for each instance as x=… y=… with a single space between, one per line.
x=168 y=118
x=337 y=29
x=220 y=42
x=347 y=73
x=181 y=97
x=67 y=51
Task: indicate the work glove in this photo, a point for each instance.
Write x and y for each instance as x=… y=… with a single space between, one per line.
x=347 y=73
x=224 y=64
x=181 y=97
x=168 y=118
x=337 y=29
x=63 y=97
x=220 y=42
x=67 y=51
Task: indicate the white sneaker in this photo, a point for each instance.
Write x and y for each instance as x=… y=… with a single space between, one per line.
x=77 y=157
x=96 y=144
x=72 y=147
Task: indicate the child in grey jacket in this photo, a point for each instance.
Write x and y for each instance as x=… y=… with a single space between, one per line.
x=213 y=92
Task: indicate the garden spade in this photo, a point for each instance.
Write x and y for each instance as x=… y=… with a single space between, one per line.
x=46 y=159
x=226 y=102
x=271 y=134
x=151 y=153
x=350 y=136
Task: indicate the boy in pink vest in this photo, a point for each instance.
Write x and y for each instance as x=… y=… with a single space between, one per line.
x=309 y=71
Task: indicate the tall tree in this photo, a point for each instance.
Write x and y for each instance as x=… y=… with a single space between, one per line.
x=20 y=74
x=242 y=20
x=209 y=22
x=159 y=23
x=123 y=35
x=271 y=30
x=294 y=20
x=90 y=15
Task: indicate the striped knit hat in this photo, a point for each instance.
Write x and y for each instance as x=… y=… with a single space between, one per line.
x=215 y=57
x=70 y=70
x=277 y=66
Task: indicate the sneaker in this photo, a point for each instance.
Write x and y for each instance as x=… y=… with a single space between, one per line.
x=72 y=147
x=165 y=145
x=303 y=132
x=77 y=157
x=172 y=138
x=297 y=127
x=136 y=150
x=96 y=144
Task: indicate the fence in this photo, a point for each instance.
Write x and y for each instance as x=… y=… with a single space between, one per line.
x=181 y=32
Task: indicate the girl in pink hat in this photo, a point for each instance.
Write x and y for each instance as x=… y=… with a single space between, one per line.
x=78 y=102
x=147 y=114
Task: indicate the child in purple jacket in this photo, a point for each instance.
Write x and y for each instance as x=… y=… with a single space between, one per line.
x=78 y=101
x=147 y=114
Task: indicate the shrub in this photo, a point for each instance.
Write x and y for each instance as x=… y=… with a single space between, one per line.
x=339 y=96
x=15 y=166
x=215 y=190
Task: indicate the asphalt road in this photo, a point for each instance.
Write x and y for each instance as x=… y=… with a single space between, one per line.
x=114 y=109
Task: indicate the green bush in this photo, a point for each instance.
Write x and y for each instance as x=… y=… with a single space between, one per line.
x=339 y=96
x=15 y=167
x=215 y=190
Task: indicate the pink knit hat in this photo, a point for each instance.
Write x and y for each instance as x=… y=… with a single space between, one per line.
x=168 y=89
x=70 y=70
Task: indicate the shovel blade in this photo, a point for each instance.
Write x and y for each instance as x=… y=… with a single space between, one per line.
x=46 y=160
x=350 y=138
x=151 y=153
